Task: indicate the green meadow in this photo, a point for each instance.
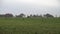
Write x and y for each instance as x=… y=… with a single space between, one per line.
x=29 y=25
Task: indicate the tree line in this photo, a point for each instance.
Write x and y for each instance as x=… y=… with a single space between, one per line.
x=23 y=15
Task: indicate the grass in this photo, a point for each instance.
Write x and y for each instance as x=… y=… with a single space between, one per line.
x=29 y=25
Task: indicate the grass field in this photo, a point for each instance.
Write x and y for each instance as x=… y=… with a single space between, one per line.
x=29 y=25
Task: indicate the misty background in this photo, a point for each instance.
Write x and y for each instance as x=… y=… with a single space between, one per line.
x=28 y=7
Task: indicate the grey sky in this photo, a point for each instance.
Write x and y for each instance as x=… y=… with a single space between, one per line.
x=30 y=7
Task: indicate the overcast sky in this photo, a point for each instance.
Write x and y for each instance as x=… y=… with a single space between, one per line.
x=30 y=7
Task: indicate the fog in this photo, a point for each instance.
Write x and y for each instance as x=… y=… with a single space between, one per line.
x=30 y=7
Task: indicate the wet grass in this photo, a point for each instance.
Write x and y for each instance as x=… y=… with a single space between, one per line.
x=29 y=25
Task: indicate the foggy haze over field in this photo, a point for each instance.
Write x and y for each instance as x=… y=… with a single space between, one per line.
x=30 y=7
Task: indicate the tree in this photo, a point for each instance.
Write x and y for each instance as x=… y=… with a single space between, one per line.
x=34 y=16
x=2 y=15
x=28 y=16
x=21 y=15
x=48 y=15
x=8 y=15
